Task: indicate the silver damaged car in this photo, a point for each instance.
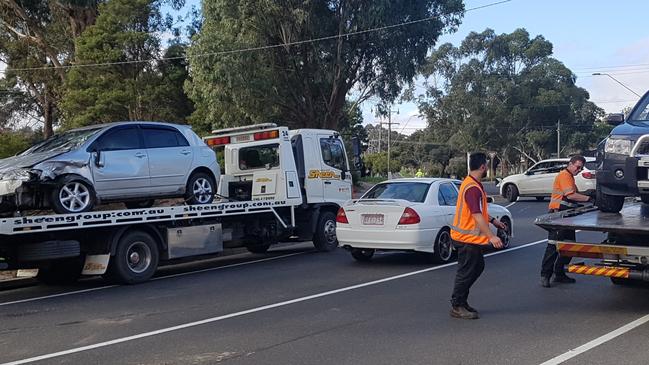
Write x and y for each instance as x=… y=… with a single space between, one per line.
x=131 y=162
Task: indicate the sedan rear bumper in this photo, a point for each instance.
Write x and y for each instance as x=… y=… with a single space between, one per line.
x=399 y=239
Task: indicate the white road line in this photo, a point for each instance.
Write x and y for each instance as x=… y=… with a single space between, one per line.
x=598 y=341
x=510 y=204
x=248 y=311
x=157 y=278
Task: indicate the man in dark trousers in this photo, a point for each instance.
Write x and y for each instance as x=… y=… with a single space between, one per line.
x=471 y=234
x=564 y=196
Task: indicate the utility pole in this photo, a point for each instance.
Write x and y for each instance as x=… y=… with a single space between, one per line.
x=389 y=133
x=558 y=138
x=380 y=129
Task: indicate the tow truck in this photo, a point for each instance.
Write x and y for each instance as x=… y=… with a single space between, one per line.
x=278 y=185
x=623 y=256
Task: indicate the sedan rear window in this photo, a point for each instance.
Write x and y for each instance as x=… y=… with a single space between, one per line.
x=411 y=191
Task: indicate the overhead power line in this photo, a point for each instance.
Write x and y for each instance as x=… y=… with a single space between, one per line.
x=259 y=48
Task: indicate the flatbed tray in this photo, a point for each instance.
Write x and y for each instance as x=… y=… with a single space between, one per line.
x=633 y=219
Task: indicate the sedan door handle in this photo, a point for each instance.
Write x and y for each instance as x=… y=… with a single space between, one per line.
x=328 y=182
x=185 y=152
x=140 y=155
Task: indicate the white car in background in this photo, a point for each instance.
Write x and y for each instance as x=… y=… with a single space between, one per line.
x=537 y=180
x=407 y=214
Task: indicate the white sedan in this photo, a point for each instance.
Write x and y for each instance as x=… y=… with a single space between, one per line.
x=407 y=214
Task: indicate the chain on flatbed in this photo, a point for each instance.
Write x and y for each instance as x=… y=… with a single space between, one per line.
x=59 y=222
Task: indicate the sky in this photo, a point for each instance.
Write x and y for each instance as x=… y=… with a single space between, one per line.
x=588 y=36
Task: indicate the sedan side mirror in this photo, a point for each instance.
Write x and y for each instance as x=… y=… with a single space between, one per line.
x=99 y=158
x=490 y=199
x=615 y=118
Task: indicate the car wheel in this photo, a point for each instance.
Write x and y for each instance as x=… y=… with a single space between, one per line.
x=200 y=189
x=505 y=235
x=443 y=247
x=135 y=260
x=72 y=194
x=325 y=239
x=362 y=254
x=540 y=198
x=139 y=204
x=511 y=192
x=608 y=203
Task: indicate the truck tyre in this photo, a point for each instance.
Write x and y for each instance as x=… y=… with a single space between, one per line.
x=258 y=247
x=200 y=189
x=362 y=254
x=443 y=247
x=608 y=203
x=139 y=204
x=61 y=272
x=72 y=194
x=136 y=258
x=324 y=238
x=511 y=192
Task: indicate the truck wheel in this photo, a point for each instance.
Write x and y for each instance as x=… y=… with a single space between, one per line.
x=511 y=192
x=139 y=204
x=608 y=203
x=362 y=254
x=200 y=189
x=72 y=194
x=258 y=248
x=325 y=239
x=136 y=258
x=61 y=272
x=443 y=247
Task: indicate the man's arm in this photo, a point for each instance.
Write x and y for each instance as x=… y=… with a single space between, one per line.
x=485 y=231
x=577 y=197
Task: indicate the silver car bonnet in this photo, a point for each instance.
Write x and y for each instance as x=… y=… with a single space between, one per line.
x=26 y=161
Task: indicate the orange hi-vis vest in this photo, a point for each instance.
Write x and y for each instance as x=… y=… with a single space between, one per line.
x=564 y=185
x=465 y=228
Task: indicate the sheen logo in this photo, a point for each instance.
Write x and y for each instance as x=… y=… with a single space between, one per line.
x=317 y=174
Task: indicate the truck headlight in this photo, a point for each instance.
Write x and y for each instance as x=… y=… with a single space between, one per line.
x=618 y=146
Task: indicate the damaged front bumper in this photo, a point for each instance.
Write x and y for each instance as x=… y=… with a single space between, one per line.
x=19 y=190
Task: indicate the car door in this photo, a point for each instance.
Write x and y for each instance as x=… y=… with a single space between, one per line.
x=335 y=171
x=532 y=182
x=447 y=195
x=170 y=157
x=122 y=167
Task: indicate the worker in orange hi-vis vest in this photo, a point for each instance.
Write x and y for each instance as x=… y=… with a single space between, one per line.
x=564 y=196
x=471 y=234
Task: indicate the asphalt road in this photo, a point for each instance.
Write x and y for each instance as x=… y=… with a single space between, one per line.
x=296 y=306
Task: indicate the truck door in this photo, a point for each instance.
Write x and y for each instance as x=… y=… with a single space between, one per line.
x=334 y=170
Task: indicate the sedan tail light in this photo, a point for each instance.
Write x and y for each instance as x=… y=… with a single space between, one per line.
x=588 y=174
x=341 y=217
x=409 y=216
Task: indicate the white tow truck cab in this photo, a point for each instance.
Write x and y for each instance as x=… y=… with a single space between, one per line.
x=277 y=185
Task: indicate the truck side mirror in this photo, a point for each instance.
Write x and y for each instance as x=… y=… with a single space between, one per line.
x=615 y=118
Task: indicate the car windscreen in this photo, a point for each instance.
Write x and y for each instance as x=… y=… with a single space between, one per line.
x=641 y=111
x=411 y=191
x=64 y=141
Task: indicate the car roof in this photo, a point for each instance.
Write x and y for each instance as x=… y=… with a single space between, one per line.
x=425 y=180
x=112 y=124
x=588 y=159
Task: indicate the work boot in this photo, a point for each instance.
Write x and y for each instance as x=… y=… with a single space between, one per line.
x=463 y=313
x=545 y=281
x=470 y=308
x=563 y=278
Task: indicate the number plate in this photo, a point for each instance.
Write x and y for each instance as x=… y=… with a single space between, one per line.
x=372 y=219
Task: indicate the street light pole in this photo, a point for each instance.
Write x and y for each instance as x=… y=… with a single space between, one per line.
x=616 y=80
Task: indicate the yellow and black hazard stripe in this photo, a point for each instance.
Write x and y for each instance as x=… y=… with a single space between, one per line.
x=589 y=251
x=609 y=271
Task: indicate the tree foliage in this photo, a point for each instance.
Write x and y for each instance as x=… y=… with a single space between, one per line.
x=505 y=93
x=303 y=83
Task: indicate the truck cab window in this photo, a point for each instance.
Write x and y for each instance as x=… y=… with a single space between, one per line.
x=258 y=157
x=333 y=153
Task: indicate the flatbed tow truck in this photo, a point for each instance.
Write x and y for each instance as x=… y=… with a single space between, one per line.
x=623 y=256
x=279 y=185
